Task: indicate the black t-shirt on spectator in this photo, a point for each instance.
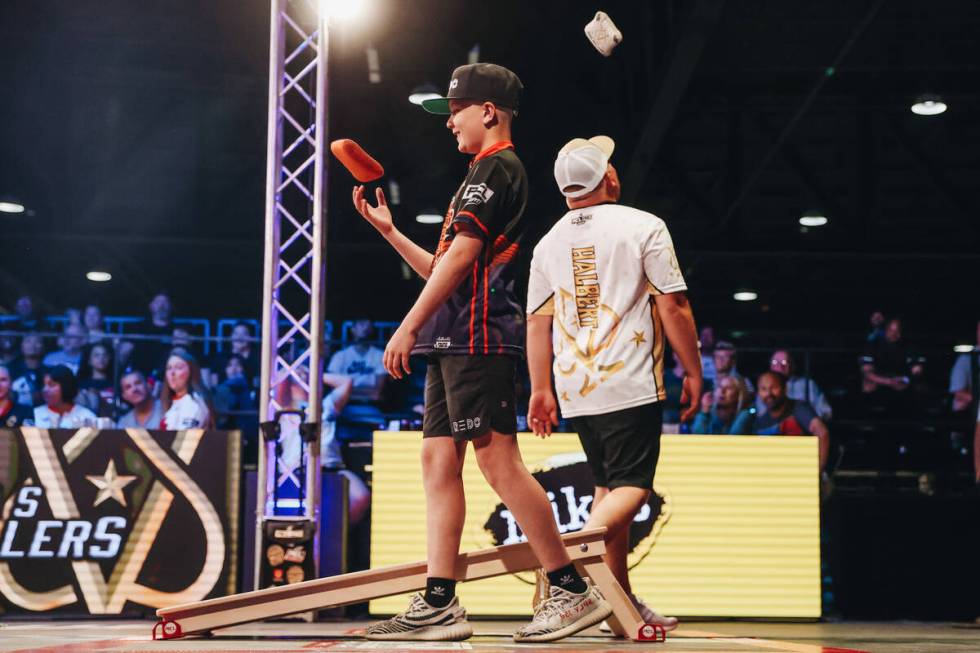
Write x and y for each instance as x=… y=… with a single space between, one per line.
x=889 y=358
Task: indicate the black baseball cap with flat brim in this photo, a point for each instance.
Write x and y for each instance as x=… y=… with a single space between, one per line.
x=483 y=82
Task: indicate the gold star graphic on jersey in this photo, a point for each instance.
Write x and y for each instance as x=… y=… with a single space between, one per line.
x=638 y=338
x=564 y=396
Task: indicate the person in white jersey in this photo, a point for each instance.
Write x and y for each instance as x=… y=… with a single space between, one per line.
x=605 y=288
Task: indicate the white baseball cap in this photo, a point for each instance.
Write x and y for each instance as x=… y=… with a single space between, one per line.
x=582 y=163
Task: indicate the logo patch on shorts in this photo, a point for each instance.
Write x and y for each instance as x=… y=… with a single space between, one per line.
x=466 y=424
x=442 y=343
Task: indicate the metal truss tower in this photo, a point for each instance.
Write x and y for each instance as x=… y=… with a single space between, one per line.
x=295 y=244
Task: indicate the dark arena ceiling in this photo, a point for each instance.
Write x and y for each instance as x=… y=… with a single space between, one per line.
x=135 y=133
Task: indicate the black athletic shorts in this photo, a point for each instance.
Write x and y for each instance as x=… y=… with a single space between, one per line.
x=468 y=396
x=623 y=446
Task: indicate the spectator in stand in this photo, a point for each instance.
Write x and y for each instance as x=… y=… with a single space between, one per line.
x=785 y=416
x=888 y=369
x=27 y=320
x=12 y=413
x=877 y=332
x=707 y=342
x=184 y=399
x=290 y=395
x=964 y=376
x=725 y=359
x=150 y=355
x=725 y=411
x=8 y=349
x=97 y=392
x=673 y=386
x=976 y=450
x=147 y=412
x=59 y=410
x=241 y=346
x=363 y=363
x=70 y=354
x=92 y=321
x=28 y=370
x=235 y=395
x=181 y=339
x=797 y=387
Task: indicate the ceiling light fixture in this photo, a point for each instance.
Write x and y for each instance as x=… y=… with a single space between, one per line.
x=11 y=207
x=98 y=276
x=745 y=296
x=428 y=217
x=929 y=105
x=422 y=93
x=963 y=349
x=813 y=219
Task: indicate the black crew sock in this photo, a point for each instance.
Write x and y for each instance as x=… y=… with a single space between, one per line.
x=439 y=591
x=568 y=578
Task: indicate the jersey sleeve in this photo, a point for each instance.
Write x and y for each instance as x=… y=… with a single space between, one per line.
x=540 y=292
x=660 y=262
x=483 y=203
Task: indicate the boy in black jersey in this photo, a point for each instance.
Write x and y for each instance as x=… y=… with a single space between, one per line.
x=469 y=324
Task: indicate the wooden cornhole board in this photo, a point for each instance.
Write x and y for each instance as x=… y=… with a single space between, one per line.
x=585 y=548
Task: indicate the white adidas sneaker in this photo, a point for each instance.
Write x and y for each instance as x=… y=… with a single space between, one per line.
x=423 y=622
x=564 y=613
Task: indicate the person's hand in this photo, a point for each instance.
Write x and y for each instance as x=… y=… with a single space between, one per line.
x=398 y=352
x=690 y=394
x=899 y=383
x=379 y=216
x=707 y=399
x=542 y=412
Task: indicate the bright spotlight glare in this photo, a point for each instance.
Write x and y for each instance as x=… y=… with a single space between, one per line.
x=342 y=10
x=929 y=105
x=419 y=98
x=813 y=220
x=745 y=296
x=963 y=349
x=11 y=207
x=98 y=276
x=428 y=218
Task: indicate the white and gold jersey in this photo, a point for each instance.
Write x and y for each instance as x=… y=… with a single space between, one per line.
x=596 y=272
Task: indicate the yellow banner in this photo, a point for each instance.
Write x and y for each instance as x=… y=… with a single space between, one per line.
x=731 y=531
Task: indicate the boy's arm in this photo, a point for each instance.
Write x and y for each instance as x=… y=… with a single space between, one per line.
x=453 y=267
x=542 y=410
x=379 y=217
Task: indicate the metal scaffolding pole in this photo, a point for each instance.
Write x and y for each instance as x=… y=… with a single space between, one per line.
x=295 y=245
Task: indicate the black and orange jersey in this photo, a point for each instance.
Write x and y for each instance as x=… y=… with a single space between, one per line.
x=483 y=315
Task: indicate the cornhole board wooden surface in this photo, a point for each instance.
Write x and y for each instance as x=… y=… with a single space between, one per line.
x=585 y=548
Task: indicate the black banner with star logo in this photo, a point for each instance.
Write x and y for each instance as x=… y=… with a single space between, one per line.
x=117 y=521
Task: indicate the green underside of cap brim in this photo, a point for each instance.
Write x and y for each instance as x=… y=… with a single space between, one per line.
x=438 y=106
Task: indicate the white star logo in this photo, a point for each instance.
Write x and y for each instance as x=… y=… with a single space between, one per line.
x=110 y=485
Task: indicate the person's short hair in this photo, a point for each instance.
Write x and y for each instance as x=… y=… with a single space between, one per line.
x=63 y=376
x=724 y=345
x=243 y=323
x=778 y=376
x=131 y=371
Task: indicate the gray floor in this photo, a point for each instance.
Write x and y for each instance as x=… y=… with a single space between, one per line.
x=341 y=637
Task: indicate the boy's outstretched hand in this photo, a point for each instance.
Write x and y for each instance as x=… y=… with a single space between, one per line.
x=379 y=216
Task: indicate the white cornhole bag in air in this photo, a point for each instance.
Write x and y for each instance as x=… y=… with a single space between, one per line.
x=603 y=34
